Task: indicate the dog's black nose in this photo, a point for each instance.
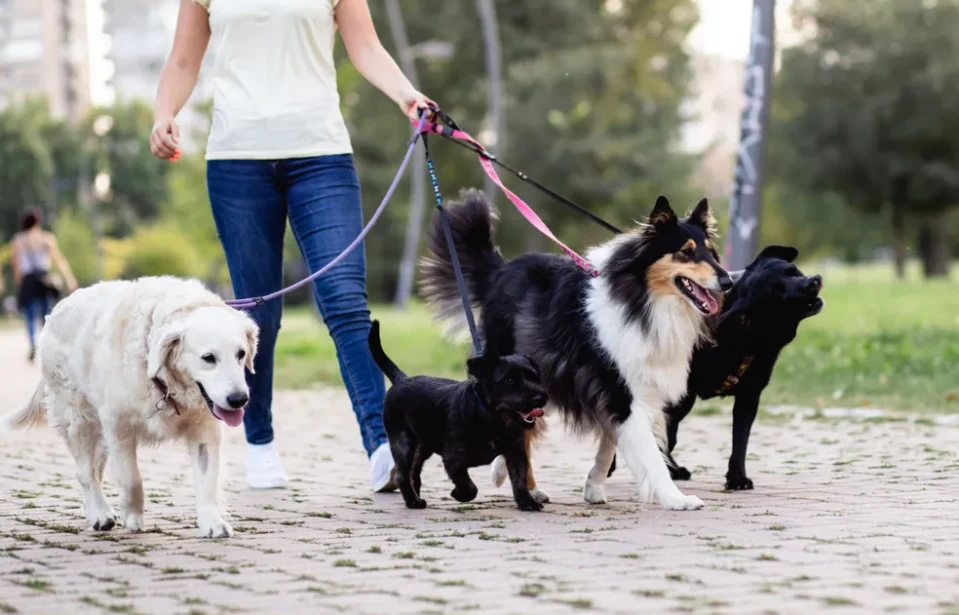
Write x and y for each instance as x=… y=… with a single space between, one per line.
x=540 y=400
x=725 y=282
x=237 y=400
x=814 y=284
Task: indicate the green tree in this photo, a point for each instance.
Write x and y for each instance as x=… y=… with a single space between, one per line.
x=26 y=163
x=862 y=110
x=138 y=179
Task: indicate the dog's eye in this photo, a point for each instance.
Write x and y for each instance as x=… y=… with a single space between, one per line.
x=241 y=355
x=510 y=381
x=209 y=358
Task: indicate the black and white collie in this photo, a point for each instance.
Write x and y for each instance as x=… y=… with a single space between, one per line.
x=612 y=350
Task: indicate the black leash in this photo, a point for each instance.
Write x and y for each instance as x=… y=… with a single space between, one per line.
x=448 y=121
x=448 y=232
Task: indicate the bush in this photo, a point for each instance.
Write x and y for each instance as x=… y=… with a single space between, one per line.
x=160 y=250
x=78 y=245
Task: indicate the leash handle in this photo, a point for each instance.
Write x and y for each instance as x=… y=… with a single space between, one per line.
x=451 y=246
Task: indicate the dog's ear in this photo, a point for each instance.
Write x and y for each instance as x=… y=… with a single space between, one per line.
x=163 y=348
x=702 y=217
x=252 y=339
x=478 y=367
x=786 y=253
x=662 y=215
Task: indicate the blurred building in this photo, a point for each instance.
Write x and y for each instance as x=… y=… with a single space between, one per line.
x=140 y=36
x=45 y=50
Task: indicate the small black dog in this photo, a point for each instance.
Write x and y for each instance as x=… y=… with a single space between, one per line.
x=467 y=423
x=760 y=316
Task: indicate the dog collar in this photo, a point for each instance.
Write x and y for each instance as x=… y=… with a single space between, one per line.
x=734 y=378
x=167 y=397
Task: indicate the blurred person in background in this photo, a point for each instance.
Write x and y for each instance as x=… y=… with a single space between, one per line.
x=279 y=149
x=33 y=250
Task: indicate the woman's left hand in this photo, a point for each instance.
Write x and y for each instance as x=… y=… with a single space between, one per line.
x=411 y=107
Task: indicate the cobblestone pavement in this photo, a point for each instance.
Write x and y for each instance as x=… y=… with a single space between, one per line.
x=847 y=516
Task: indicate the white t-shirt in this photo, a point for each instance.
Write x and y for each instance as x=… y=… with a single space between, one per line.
x=274 y=80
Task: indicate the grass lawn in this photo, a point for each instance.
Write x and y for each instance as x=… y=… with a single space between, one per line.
x=879 y=342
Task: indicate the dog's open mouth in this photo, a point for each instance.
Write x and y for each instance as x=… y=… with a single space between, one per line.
x=701 y=298
x=229 y=416
x=530 y=417
x=814 y=307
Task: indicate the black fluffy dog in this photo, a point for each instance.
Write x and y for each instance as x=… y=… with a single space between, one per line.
x=467 y=423
x=760 y=316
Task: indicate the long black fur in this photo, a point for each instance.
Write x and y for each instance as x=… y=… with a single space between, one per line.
x=468 y=423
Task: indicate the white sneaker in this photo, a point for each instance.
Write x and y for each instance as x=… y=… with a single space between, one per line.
x=381 y=469
x=263 y=467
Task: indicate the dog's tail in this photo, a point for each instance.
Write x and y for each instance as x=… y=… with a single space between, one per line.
x=30 y=413
x=386 y=364
x=471 y=222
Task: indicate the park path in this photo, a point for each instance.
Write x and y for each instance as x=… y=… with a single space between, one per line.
x=847 y=517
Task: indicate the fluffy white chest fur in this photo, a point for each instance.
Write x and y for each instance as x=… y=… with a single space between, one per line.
x=654 y=363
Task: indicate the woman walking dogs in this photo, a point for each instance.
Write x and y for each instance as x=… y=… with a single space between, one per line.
x=279 y=150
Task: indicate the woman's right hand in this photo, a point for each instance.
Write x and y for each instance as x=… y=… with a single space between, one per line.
x=165 y=138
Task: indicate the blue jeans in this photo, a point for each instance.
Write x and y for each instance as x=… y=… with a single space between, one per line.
x=251 y=201
x=34 y=313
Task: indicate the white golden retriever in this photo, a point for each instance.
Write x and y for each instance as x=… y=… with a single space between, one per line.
x=131 y=363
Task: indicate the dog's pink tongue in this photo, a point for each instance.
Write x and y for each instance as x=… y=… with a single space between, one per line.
x=712 y=306
x=231 y=417
x=535 y=413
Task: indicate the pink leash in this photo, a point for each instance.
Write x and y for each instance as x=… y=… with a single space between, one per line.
x=525 y=210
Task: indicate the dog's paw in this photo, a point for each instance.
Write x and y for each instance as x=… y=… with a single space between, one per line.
x=214 y=527
x=527 y=503
x=417 y=504
x=680 y=473
x=539 y=495
x=133 y=522
x=104 y=524
x=100 y=516
x=594 y=493
x=467 y=494
x=738 y=482
x=498 y=471
x=683 y=502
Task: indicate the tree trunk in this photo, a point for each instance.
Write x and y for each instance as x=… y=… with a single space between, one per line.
x=899 y=240
x=414 y=223
x=934 y=247
x=494 y=76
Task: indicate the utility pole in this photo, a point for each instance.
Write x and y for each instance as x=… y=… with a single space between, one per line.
x=745 y=202
x=414 y=222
